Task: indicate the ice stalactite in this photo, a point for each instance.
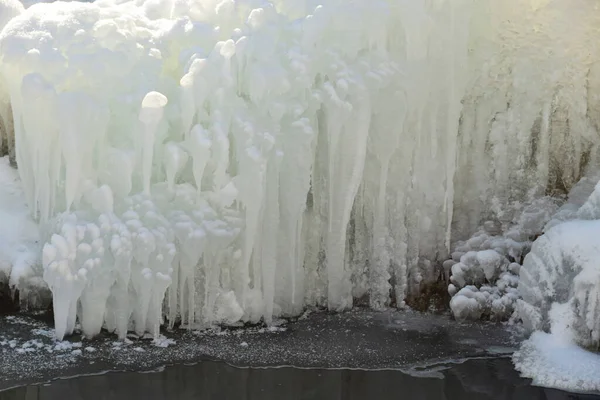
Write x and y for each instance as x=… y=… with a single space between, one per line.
x=244 y=160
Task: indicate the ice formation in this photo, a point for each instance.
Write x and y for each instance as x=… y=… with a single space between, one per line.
x=554 y=360
x=19 y=239
x=562 y=271
x=216 y=161
x=8 y=10
x=484 y=270
x=560 y=289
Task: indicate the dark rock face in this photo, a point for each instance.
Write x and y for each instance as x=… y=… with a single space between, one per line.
x=9 y=302
x=433 y=297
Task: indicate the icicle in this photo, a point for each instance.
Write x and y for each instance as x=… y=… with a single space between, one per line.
x=221 y=155
x=150 y=116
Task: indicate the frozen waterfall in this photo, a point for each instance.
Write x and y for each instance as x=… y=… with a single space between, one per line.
x=215 y=161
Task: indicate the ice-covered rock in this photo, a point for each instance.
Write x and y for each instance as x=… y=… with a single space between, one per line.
x=489 y=263
x=562 y=272
x=563 y=268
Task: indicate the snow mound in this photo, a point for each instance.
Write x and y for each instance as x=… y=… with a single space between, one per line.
x=555 y=360
x=552 y=362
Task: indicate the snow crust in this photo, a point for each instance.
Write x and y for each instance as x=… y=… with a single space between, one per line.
x=223 y=161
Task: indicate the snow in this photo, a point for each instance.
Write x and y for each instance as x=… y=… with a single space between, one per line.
x=163 y=342
x=48 y=345
x=563 y=268
x=550 y=362
x=555 y=360
x=217 y=162
x=560 y=289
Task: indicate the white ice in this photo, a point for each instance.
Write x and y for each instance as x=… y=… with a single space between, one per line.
x=225 y=161
x=484 y=270
x=555 y=360
x=563 y=269
x=560 y=289
x=19 y=237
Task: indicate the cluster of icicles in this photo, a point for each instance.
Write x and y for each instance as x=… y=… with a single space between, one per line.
x=116 y=264
x=221 y=161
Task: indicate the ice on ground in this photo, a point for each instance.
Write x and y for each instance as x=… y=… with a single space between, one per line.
x=48 y=344
x=163 y=341
x=552 y=361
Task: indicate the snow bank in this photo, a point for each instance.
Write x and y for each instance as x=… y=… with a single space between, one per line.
x=552 y=362
x=227 y=160
x=555 y=359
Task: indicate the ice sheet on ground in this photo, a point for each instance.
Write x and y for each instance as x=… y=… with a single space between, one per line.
x=551 y=361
